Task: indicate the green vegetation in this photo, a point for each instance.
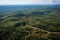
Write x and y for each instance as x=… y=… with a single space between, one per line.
x=31 y=24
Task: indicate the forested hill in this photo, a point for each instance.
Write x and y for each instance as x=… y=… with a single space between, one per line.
x=29 y=22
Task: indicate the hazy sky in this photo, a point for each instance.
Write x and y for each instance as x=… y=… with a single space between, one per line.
x=3 y=2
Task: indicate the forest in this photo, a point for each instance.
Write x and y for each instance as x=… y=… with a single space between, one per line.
x=30 y=22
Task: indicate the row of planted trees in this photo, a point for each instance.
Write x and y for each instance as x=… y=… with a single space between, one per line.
x=13 y=34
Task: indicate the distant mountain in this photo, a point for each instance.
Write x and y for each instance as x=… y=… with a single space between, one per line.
x=4 y=8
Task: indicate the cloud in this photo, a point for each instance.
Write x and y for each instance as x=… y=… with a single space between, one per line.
x=28 y=1
x=56 y=1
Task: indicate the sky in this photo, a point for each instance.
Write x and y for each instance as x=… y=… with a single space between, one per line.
x=13 y=2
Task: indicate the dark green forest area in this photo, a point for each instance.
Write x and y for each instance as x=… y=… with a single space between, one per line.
x=39 y=23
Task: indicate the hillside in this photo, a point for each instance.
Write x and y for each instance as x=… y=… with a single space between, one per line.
x=30 y=22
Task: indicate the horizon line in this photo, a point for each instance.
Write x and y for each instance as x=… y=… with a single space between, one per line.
x=29 y=4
